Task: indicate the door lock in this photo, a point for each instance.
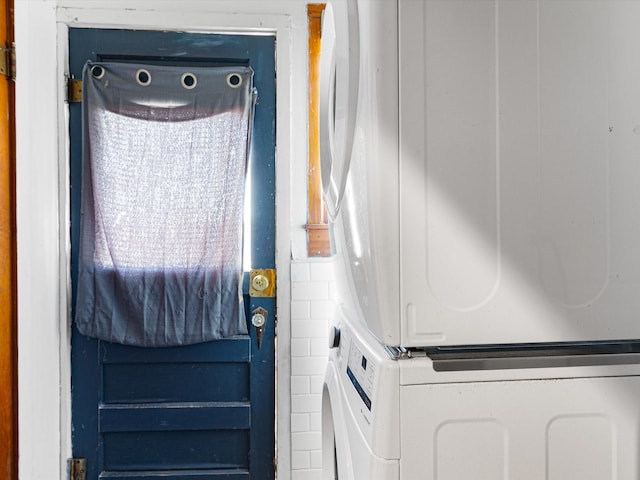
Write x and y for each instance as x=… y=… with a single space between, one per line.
x=259 y=320
x=262 y=283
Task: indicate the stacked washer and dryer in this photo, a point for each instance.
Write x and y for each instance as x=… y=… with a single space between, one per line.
x=481 y=164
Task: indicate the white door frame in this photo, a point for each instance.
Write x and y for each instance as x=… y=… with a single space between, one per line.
x=43 y=201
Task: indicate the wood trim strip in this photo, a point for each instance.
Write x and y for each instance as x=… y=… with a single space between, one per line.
x=318 y=237
x=8 y=265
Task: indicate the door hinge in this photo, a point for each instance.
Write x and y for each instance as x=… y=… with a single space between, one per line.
x=78 y=469
x=74 y=90
x=8 y=61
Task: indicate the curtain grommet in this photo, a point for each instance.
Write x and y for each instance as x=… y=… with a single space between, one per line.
x=97 y=72
x=189 y=80
x=143 y=77
x=234 y=80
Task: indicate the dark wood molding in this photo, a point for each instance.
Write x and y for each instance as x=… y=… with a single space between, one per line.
x=318 y=240
x=8 y=265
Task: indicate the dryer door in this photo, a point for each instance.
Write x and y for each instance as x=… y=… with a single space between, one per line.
x=359 y=134
x=339 y=76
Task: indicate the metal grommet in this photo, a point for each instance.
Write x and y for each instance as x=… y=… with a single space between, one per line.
x=143 y=77
x=97 y=72
x=188 y=80
x=234 y=80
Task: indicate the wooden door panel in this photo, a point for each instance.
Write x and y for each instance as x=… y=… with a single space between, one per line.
x=200 y=411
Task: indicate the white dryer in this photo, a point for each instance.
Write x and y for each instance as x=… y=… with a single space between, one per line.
x=479 y=164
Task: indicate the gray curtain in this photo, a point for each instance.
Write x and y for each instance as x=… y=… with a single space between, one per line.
x=165 y=152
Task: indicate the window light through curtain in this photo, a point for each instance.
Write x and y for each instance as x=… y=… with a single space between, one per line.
x=165 y=154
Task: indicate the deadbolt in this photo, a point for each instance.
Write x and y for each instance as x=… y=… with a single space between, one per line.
x=262 y=283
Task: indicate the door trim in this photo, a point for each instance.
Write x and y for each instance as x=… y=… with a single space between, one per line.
x=8 y=316
x=45 y=436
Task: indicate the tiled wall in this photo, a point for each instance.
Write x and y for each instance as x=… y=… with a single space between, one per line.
x=311 y=308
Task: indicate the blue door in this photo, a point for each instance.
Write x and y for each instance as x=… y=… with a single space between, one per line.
x=195 y=412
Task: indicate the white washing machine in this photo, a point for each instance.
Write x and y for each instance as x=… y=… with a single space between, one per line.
x=390 y=414
x=361 y=380
x=479 y=165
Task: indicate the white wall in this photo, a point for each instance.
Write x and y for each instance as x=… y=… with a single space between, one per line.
x=43 y=306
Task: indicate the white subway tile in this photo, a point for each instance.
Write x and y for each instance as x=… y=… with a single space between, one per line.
x=316 y=384
x=301 y=310
x=312 y=308
x=309 y=329
x=306 y=403
x=319 y=347
x=315 y=422
x=321 y=271
x=322 y=309
x=301 y=347
x=300 y=422
x=300 y=272
x=308 y=366
x=306 y=441
x=300 y=460
x=310 y=291
x=306 y=475
x=300 y=385
x=316 y=458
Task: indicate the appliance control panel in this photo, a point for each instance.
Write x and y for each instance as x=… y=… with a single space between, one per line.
x=361 y=371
